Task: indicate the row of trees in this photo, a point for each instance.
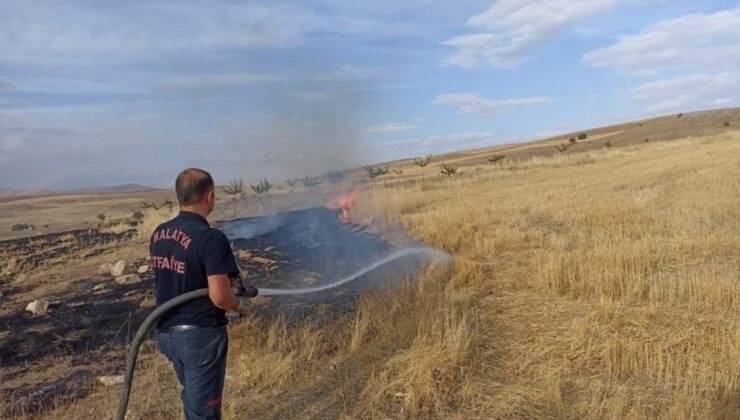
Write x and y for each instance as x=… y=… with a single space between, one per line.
x=447 y=169
x=237 y=187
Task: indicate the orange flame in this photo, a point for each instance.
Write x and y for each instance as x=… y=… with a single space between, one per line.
x=345 y=204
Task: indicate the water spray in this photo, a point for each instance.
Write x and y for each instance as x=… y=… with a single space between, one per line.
x=200 y=293
x=401 y=253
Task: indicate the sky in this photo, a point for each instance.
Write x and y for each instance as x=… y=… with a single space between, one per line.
x=107 y=92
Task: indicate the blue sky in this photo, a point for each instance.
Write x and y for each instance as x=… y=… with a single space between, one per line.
x=106 y=92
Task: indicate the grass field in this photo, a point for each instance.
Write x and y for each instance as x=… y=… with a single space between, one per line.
x=601 y=284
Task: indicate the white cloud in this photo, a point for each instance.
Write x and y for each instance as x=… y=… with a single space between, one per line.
x=473 y=103
x=510 y=30
x=390 y=128
x=706 y=46
x=345 y=73
x=93 y=32
x=688 y=92
x=21 y=126
x=11 y=141
x=690 y=41
x=62 y=85
x=56 y=118
x=311 y=96
x=210 y=81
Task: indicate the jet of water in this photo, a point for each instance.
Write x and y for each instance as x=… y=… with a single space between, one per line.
x=401 y=253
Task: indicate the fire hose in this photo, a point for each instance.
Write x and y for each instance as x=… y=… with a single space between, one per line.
x=133 y=352
x=200 y=293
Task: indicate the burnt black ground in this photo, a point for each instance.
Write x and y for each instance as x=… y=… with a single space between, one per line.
x=294 y=249
x=93 y=328
x=306 y=244
x=30 y=253
x=309 y=248
x=90 y=327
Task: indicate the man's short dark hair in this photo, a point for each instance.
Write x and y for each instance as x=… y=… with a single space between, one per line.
x=191 y=185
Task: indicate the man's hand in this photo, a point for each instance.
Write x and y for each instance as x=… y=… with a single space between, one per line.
x=250 y=291
x=241 y=290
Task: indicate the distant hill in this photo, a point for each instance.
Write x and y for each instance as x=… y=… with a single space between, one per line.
x=664 y=128
x=121 y=188
x=9 y=192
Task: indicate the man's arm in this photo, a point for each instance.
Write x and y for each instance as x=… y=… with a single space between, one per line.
x=219 y=290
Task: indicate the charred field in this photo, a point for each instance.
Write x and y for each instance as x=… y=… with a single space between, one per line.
x=91 y=321
x=311 y=248
x=51 y=358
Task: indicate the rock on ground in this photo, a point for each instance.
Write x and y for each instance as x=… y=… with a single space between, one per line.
x=105 y=268
x=128 y=279
x=98 y=287
x=143 y=269
x=148 y=302
x=118 y=268
x=38 y=307
x=111 y=380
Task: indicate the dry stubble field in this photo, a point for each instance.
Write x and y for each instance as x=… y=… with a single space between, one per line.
x=601 y=284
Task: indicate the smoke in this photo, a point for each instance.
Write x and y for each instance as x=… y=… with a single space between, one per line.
x=250 y=228
x=302 y=127
x=309 y=256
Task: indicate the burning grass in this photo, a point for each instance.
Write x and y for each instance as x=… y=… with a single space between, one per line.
x=595 y=284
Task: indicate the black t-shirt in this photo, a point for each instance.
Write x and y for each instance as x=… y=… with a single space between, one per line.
x=184 y=252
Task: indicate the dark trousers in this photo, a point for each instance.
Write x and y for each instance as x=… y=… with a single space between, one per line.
x=199 y=358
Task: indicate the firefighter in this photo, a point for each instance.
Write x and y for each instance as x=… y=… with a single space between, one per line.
x=187 y=254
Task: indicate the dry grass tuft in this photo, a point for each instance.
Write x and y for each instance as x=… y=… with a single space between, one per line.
x=117 y=228
x=153 y=218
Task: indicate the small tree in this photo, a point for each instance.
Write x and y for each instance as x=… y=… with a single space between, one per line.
x=582 y=136
x=376 y=171
x=101 y=216
x=563 y=147
x=168 y=203
x=448 y=169
x=422 y=163
x=235 y=187
x=262 y=187
x=572 y=140
x=496 y=158
x=335 y=177
x=398 y=171
x=291 y=183
x=148 y=205
x=311 y=182
x=21 y=226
